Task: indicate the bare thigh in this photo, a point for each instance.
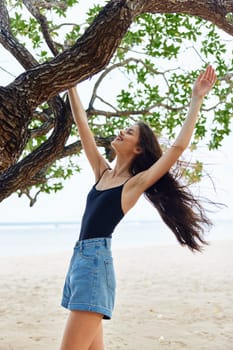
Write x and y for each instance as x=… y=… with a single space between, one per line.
x=81 y=329
x=98 y=342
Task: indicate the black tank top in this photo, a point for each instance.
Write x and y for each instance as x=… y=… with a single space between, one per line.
x=102 y=213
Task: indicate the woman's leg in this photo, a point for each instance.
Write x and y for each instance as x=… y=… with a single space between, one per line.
x=81 y=329
x=98 y=342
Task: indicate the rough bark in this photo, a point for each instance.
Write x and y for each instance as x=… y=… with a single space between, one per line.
x=28 y=168
x=90 y=54
x=219 y=12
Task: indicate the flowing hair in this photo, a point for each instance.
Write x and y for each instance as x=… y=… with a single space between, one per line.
x=178 y=208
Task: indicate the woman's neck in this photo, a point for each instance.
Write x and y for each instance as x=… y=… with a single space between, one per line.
x=121 y=168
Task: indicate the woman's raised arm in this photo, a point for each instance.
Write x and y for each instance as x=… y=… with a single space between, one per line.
x=202 y=86
x=96 y=160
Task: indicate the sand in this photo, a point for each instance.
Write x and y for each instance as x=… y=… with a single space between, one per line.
x=167 y=298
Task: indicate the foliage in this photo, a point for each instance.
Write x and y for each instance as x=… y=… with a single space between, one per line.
x=143 y=88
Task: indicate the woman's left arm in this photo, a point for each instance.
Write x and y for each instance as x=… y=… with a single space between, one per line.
x=201 y=88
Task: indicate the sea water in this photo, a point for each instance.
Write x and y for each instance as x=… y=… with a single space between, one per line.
x=17 y=239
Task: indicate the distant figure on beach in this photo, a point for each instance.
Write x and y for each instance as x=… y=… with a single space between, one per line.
x=140 y=168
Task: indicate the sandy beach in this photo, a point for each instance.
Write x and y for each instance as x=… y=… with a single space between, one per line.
x=167 y=298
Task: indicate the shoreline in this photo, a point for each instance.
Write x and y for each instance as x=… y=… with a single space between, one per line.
x=55 y=238
x=167 y=298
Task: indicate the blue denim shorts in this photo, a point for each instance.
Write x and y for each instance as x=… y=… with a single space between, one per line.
x=90 y=282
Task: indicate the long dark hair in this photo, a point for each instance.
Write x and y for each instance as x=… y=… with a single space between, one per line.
x=177 y=206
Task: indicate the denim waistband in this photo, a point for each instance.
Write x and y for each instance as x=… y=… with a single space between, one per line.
x=106 y=242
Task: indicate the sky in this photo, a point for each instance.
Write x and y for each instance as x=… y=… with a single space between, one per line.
x=68 y=204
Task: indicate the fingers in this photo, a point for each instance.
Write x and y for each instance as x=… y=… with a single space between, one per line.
x=209 y=75
x=204 y=82
x=200 y=76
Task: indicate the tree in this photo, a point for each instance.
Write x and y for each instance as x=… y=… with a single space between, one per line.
x=36 y=127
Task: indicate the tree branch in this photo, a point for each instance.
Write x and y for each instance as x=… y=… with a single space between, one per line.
x=10 y=43
x=19 y=175
x=42 y=130
x=219 y=12
x=33 y=8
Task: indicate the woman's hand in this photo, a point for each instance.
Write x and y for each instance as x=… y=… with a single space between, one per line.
x=204 y=83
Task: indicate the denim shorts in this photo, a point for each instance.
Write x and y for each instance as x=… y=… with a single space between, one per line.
x=90 y=282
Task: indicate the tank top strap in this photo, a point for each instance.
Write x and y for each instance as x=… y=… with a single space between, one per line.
x=102 y=175
x=127 y=180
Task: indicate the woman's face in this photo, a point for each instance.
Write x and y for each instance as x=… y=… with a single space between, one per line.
x=127 y=140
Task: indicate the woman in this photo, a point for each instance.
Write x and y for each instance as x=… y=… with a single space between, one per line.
x=140 y=168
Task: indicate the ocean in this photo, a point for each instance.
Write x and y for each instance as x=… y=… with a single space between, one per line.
x=25 y=238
